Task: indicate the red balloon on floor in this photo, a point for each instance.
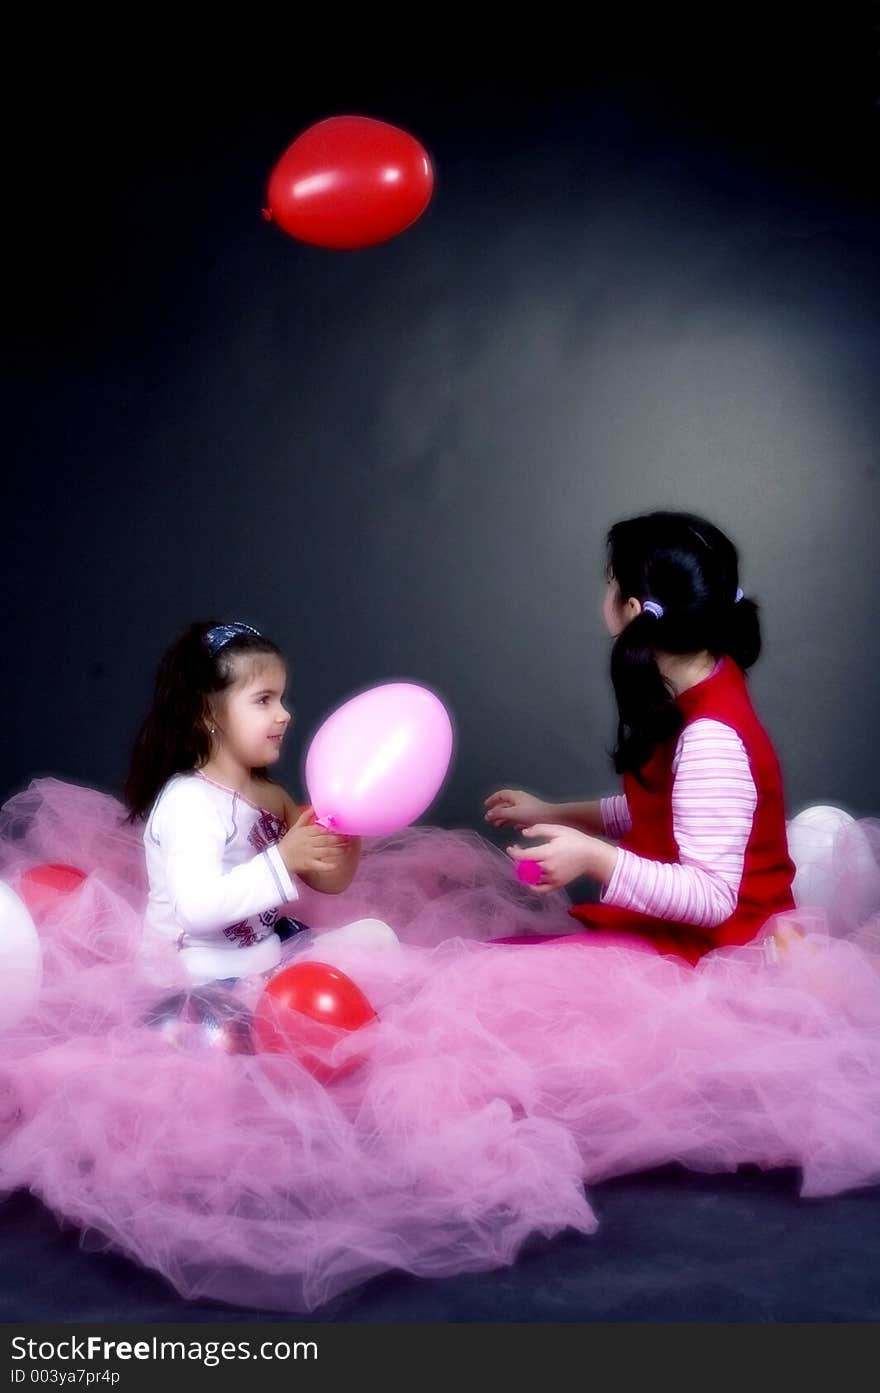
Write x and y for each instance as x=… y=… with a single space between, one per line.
x=42 y=887
x=305 y=1009
x=350 y=181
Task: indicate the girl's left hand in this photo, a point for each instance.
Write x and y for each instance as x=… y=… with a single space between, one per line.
x=565 y=855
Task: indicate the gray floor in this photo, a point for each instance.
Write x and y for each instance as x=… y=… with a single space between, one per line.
x=671 y=1246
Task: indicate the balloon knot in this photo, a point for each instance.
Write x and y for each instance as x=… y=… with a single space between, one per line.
x=267 y=214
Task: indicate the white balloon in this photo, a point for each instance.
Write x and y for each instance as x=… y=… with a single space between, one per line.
x=811 y=838
x=21 y=958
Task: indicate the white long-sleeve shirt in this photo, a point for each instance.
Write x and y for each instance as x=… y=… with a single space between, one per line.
x=713 y=804
x=217 y=879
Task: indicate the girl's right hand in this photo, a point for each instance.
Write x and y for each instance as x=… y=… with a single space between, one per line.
x=514 y=806
x=306 y=847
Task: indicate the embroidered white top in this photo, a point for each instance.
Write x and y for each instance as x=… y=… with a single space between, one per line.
x=217 y=879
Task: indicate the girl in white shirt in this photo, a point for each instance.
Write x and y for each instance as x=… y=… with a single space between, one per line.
x=227 y=848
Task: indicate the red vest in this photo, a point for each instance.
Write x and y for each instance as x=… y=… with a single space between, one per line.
x=768 y=870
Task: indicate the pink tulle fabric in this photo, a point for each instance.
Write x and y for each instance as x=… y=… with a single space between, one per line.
x=498 y=1079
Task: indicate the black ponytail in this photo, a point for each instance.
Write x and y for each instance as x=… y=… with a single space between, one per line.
x=647 y=713
x=743 y=634
x=691 y=568
x=174 y=734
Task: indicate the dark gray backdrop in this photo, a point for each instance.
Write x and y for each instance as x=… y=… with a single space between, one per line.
x=636 y=286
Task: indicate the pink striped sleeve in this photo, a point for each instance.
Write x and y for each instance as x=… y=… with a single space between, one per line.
x=615 y=815
x=713 y=806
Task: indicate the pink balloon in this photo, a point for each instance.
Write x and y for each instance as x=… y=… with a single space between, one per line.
x=378 y=761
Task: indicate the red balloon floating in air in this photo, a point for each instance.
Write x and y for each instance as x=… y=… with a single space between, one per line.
x=350 y=181
x=304 y=1010
x=42 y=887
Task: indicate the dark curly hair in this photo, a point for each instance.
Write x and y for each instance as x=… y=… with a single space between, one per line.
x=173 y=736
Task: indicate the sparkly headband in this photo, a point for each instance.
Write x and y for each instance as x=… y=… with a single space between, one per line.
x=654 y=606
x=221 y=634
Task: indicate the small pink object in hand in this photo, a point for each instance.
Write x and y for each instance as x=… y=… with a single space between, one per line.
x=529 y=872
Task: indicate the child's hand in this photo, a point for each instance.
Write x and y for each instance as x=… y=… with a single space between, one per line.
x=564 y=856
x=307 y=848
x=514 y=806
x=785 y=939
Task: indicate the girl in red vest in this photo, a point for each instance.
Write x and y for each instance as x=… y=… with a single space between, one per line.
x=701 y=859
